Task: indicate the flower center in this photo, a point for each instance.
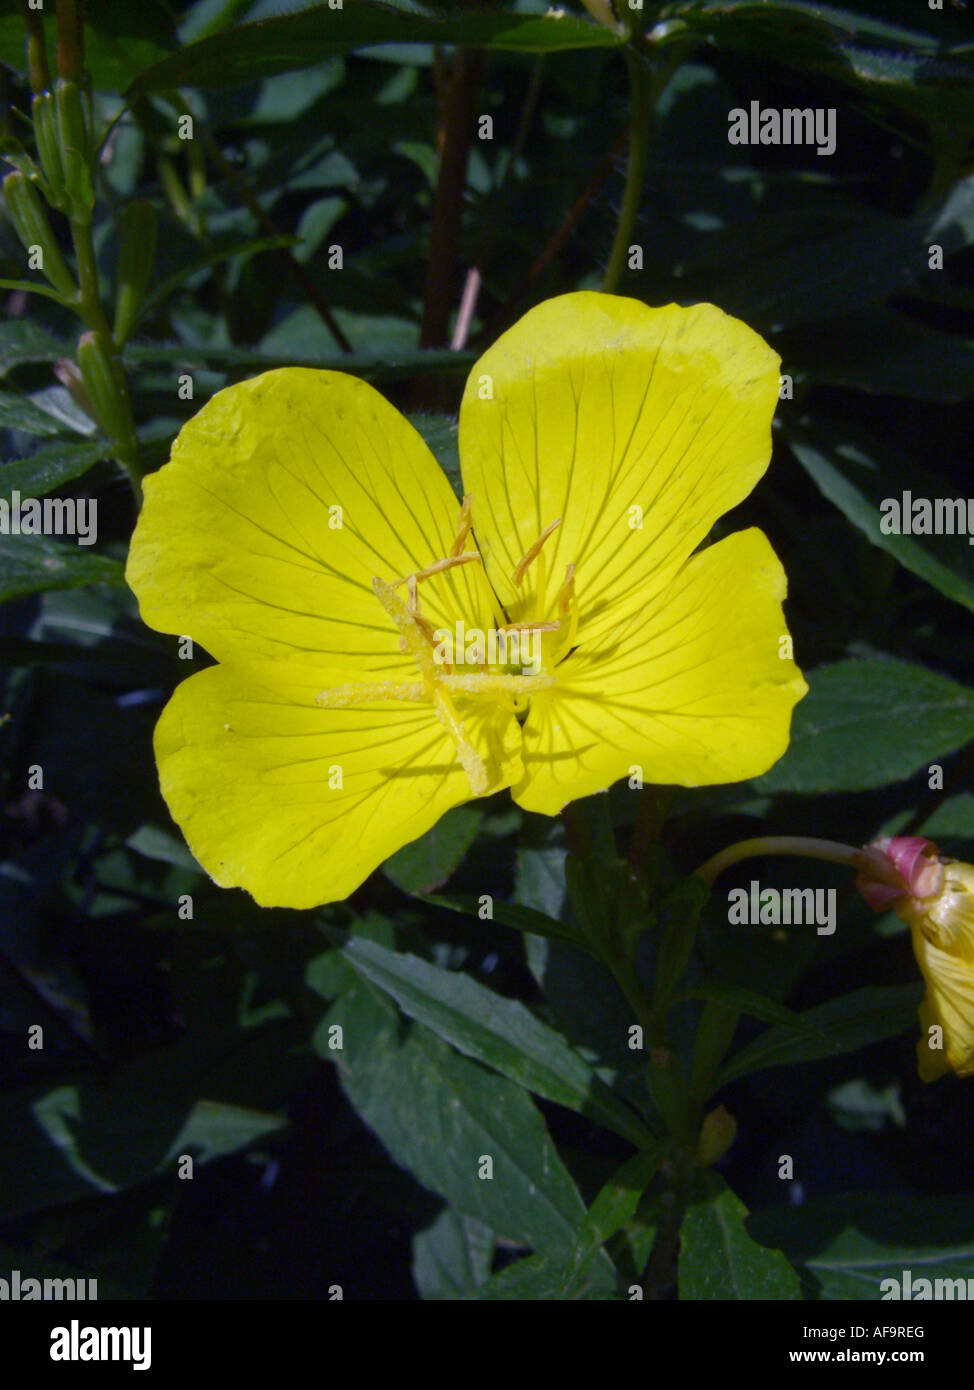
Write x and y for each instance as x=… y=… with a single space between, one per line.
x=492 y=658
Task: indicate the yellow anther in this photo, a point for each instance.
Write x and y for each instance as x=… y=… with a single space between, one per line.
x=470 y=759
x=437 y=567
x=568 y=605
x=338 y=696
x=531 y=627
x=532 y=553
x=463 y=527
x=486 y=683
x=409 y=627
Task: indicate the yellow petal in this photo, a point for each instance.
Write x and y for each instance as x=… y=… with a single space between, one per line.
x=694 y=691
x=285 y=496
x=297 y=803
x=949 y=1003
x=606 y=413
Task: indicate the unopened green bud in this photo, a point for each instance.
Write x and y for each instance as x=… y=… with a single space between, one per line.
x=98 y=373
x=76 y=151
x=49 y=148
x=136 y=249
x=717 y=1133
x=30 y=222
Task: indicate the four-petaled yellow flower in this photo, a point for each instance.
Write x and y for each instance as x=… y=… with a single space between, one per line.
x=304 y=534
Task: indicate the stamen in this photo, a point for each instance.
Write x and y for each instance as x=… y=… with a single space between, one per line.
x=485 y=683
x=568 y=604
x=338 y=696
x=409 y=627
x=470 y=759
x=531 y=627
x=437 y=567
x=463 y=527
x=532 y=553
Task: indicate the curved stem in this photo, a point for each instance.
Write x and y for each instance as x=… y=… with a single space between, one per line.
x=830 y=850
x=641 y=89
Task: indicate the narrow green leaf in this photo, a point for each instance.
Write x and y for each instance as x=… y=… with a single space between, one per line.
x=745 y=1001
x=290 y=42
x=842 y=1025
x=500 y=1033
x=614 y=1206
x=23 y=341
x=20 y=413
x=32 y=287
x=31 y=564
x=846 y=1246
x=390 y=366
x=523 y=919
x=165 y=288
x=851 y=476
x=50 y=467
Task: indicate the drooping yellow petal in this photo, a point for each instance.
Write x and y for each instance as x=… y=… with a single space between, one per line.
x=298 y=803
x=286 y=495
x=697 y=689
x=948 y=1004
x=637 y=426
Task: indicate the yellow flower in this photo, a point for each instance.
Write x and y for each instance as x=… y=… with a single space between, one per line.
x=303 y=534
x=935 y=897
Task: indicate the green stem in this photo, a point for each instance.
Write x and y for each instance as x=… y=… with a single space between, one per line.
x=642 y=91
x=70 y=41
x=89 y=306
x=660 y=1273
x=654 y=802
x=830 y=850
x=632 y=990
x=38 y=72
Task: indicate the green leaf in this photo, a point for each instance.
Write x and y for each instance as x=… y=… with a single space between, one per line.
x=719 y=1259
x=164 y=290
x=850 y=476
x=866 y=723
x=23 y=341
x=32 y=287
x=440 y=1115
x=31 y=564
x=20 y=413
x=50 y=467
x=523 y=919
x=119 y=40
x=886 y=352
x=248 y=52
x=615 y=1205
x=429 y=861
x=213 y=1129
x=744 y=1001
x=542 y=1279
x=452 y=1257
x=441 y=435
x=846 y=1246
x=842 y=1025
x=374 y=366
x=500 y=1033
